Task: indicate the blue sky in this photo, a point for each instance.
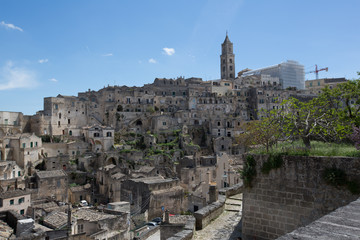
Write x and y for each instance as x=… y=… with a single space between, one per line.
x=65 y=47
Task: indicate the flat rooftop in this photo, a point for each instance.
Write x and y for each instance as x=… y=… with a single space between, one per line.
x=153 y=180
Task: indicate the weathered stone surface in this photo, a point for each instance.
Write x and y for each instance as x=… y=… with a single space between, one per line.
x=209 y=213
x=295 y=195
x=343 y=223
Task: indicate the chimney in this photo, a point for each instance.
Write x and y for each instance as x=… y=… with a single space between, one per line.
x=213 y=194
x=167 y=217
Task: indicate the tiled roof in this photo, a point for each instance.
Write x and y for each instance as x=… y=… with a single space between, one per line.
x=51 y=174
x=56 y=220
x=14 y=193
x=91 y=215
x=152 y=180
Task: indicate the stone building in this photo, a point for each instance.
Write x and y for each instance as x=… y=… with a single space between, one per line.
x=12 y=123
x=50 y=184
x=108 y=179
x=17 y=200
x=25 y=149
x=101 y=138
x=315 y=86
x=153 y=194
x=78 y=193
x=227 y=58
x=10 y=170
x=100 y=225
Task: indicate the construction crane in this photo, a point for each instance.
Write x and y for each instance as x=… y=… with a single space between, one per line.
x=318 y=70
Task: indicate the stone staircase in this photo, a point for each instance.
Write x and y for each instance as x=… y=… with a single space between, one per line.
x=234 y=203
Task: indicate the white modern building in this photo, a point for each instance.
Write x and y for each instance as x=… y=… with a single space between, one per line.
x=290 y=74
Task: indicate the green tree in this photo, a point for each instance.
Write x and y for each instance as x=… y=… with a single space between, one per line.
x=265 y=132
x=329 y=117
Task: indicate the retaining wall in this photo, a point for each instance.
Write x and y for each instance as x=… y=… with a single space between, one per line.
x=205 y=215
x=293 y=195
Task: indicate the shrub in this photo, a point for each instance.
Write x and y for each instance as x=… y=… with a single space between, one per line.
x=337 y=177
x=249 y=171
x=334 y=176
x=355 y=137
x=274 y=161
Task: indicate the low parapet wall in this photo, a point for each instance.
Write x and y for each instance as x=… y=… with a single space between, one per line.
x=182 y=226
x=233 y=190
x=144 y=232
x=205 y=215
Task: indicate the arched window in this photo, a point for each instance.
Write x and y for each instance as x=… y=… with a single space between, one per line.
x=70 y=133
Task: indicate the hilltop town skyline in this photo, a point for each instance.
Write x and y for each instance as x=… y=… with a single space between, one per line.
x=70 y=47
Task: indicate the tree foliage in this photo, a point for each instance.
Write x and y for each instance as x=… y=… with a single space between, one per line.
x=265 y=132
x=329 y=117
x=355 y=137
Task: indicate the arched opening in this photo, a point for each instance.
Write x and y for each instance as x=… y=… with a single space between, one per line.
x=70 y=133
x=41 y=166
x=138 y=123
x=111 y=160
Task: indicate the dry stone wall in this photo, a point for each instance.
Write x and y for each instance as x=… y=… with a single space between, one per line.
x=293 y=195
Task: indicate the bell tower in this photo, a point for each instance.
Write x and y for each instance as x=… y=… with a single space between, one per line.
x=227 y=60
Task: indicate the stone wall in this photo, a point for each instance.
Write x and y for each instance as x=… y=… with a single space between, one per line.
x=180 y=227
x=293 y=195
x=205 y=215
x=233 y=190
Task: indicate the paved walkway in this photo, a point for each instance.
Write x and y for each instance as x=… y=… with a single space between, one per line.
x=227 y=225
x=155 y=236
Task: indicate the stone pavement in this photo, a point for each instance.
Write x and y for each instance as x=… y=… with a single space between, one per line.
x=227 y=225
x=155 y=236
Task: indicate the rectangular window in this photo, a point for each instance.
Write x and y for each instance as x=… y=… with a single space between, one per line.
x=19 y=173
x=12 y=202
x=31 y=144
x=68 y=121
x=36 y=144
x=21 y=200
x=22 y=211
x=24 y=145
x=80 y=228
x=164 y=123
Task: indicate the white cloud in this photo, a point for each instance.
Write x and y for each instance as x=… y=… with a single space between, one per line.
x=12 y=77
x=107 y=55
x=151 y=60
x=53 y=80
x=10 y=26
x=43 y=60
x=169 y=51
